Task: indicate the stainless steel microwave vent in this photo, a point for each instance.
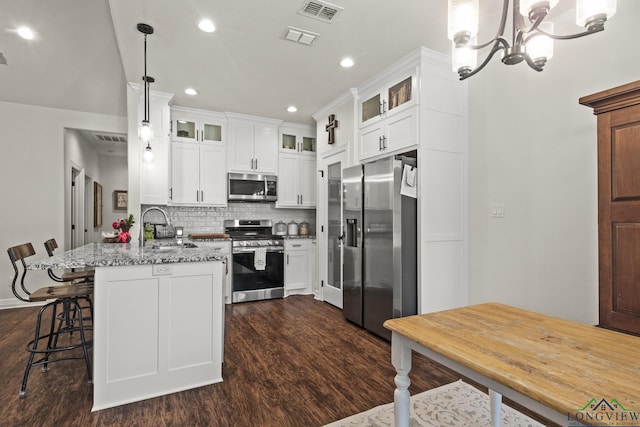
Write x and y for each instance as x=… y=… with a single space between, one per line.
x=320 y=10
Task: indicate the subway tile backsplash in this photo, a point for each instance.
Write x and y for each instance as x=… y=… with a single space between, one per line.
x=200 y=219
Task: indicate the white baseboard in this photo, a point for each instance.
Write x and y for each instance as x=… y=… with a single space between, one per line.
x=14 y=303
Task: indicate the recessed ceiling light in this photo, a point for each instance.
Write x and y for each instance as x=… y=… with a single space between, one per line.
x=346 y=63
x=190 y=91
x=206 y=25
x=25 y=33
x=292 y=108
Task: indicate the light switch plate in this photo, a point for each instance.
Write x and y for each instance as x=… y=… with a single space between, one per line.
x=497 y=210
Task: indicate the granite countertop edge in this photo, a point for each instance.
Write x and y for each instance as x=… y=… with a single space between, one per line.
x=126 y=254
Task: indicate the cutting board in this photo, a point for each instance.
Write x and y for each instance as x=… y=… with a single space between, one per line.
x=209 y=236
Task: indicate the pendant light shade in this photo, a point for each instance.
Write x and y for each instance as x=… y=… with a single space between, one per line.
x=145 y=128
x=594 y=13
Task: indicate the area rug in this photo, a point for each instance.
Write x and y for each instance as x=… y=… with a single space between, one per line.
x=457 y=404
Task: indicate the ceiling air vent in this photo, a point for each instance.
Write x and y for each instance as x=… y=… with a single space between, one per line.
x=111 y=137
x=320 y=10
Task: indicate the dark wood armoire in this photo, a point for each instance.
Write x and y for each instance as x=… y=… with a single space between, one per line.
x=618 y=111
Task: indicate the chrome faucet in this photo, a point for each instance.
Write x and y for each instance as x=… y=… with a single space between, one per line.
x=152 y=208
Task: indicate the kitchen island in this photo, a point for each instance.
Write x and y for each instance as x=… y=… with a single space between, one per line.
x=158 y=318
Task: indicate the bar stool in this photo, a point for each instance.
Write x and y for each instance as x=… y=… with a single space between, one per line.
x=70 y=276
x=45 y=342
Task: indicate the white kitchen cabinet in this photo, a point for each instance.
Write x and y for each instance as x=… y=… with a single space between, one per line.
x=394 y=95
x=198 y=174
x=392 y=134
x=312 y=281
x=296 y=181
x=197 y=126
x=296 y=266
x=158 y=329
x=297 y=138
x=154 y=174
x=223 y=248
x=253 y=145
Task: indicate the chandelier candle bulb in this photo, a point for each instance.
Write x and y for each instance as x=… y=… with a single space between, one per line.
x=592 y=14
x=536 y=8
x=463 y=20
x=465 y=59
x=540 y=46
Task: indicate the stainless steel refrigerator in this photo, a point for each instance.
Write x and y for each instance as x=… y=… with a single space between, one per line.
x=380 y=243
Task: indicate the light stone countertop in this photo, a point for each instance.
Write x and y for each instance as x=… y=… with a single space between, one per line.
x=125 y=254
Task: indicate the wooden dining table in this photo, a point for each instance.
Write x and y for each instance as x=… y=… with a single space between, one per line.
x=568 y=372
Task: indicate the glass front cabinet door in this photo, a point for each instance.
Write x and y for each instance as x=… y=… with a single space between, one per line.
x=197 y=126
x=296 y=138
x=396 y=96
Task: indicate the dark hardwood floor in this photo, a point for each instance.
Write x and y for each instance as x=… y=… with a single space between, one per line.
x=288 y=362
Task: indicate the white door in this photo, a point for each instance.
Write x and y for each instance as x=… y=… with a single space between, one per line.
x=330 y=219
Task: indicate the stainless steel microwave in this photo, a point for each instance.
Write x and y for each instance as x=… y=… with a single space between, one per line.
x=247 y=187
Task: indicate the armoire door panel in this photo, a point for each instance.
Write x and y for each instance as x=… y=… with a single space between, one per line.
x=618 y=111
x=626 y=269
x=625 y=162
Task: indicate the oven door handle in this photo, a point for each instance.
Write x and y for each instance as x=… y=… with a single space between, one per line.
x=250 y=250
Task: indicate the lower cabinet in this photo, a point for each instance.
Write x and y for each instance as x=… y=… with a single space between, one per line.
x=158 y=329
x=224 y=248
x=296 y=267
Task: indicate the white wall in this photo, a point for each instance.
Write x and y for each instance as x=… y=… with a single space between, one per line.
x=113 y=176
x=533 y=148
x=32 y=174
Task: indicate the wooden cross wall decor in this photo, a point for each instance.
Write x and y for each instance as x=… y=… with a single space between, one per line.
x=333 y=124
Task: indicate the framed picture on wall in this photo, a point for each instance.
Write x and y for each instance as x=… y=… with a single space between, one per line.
x=120 y=200
x=97 y=205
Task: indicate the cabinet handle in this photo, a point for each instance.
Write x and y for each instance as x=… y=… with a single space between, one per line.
x=202 y=195
x=197 y=196
x=380 y=109
x=384 y=107
x=251 y=167
x=295 y=246
x=171 y=193
x=287 y=259
x=384 y=142
x=256 y=164
x=301 y=199
x=379 y=143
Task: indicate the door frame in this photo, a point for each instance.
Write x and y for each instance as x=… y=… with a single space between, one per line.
x=326 y=293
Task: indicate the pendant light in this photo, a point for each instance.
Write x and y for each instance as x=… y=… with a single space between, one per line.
x=145 y=129
x=531 y=38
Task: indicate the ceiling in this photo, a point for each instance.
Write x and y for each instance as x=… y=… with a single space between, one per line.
x=85 y=51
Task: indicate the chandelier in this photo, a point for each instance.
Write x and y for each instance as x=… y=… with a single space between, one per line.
x=145 y=129
x=531 y=39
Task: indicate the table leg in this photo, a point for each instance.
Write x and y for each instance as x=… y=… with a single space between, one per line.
x=401 y=360
x=495 y=401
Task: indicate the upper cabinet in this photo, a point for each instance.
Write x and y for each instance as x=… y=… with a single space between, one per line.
x=396 y=95
x=297 y=167
x=296 y=138
x=197 y=126
x=154 y=173
x=253 y=144
x=388 y=115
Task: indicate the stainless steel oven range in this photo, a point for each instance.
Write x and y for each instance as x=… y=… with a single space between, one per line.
x=258 y=260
